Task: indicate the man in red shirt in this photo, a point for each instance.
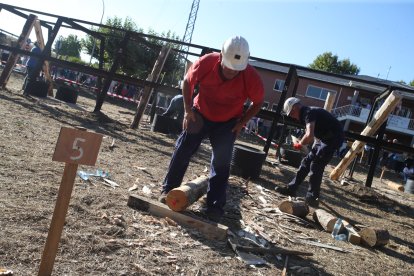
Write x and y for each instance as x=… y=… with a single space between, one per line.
x=225 y=81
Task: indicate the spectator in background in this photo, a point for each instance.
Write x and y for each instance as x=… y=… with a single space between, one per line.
x=176 y=108
x=252 y=126
x=31 y=64
x=408 y=171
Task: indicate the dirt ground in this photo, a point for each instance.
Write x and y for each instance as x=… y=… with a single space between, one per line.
x=103 y=236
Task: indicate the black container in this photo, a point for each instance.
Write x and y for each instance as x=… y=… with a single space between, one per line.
x=67 y=94
x=246 y=161
x=37 y=88
x=166 y=125
x=291 y=157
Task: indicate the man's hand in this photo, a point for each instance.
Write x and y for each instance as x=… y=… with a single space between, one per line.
x=297 y=146
x=188 y=116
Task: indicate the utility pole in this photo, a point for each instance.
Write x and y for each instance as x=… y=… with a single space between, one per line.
x=388 y=73
x=188 y=34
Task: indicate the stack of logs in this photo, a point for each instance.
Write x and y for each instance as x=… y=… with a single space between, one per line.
x=180 y=198
x=368 y=236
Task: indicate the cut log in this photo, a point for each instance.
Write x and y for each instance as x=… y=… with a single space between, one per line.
x=212 y=231
x=353 y=236
x=296 y=208
x=180 y=198
x=325 y=219
x=395 y=186
x=374 y=237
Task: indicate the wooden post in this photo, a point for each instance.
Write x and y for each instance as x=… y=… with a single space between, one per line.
x=296 y=208
x=379 y=118
x=153 y=77
x=180 y=198
x=325 y=219
x=73 y=147
x=27 y=29
x=330 y=100
x=108 y=79
x=374 y=237
x=58 y=219
x=46 y=69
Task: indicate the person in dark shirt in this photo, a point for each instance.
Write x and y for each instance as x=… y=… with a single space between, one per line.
x=30 y=67
x=176 y=108
x=327 y=135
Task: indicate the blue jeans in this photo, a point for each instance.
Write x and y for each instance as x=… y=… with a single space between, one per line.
x=313 y=164
x=222 y=140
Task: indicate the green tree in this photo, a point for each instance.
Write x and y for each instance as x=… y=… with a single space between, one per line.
x=141 y=53
x=412 y=83
x=330 y=63
x=68 y=46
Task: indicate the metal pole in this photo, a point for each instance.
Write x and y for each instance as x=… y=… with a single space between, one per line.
x=94 y=39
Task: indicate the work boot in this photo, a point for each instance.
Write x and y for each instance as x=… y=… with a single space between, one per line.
x=285 y=191
x=312 y=202
x=213 y=214
x=163 y=197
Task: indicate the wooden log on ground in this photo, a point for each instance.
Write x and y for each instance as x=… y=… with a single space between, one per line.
x=325 y=219
x=212 y=231
x=379 y=118
x=180 y=198
x=296 y=208
x=273 y=250
x=353 y=236
x=395 y=186
x=374 y=237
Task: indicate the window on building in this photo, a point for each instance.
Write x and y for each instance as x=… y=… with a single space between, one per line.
x=265 y=105
x=279 y=84
x=317 y=92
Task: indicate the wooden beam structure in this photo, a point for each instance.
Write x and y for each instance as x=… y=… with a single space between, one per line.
x=379 y=118
x=27 y=28
x=46 y=68
x=330 y=100
x=103 y=91
x=210 y=230
x=153 y=77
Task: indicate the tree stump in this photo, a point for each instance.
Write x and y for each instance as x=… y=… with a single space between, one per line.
x=180 y=198
x=296 y=208
x=325 y=219
x=374 y=237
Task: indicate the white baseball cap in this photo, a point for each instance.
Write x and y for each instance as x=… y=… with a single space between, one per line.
x=235 y=53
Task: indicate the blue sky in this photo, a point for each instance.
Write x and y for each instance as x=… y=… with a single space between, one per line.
x=377 y=36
